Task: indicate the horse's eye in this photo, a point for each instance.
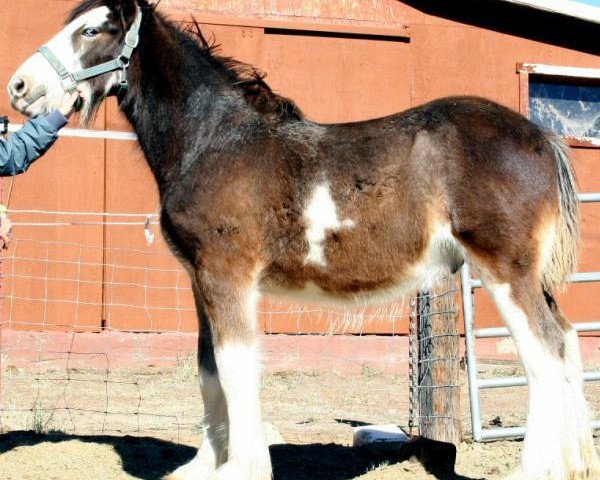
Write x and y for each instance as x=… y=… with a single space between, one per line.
x=90 y=32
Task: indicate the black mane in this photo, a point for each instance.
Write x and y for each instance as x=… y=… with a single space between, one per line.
x=247 y=78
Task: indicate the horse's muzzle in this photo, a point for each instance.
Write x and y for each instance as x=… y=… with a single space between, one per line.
x=27 y=98
x=18 y=87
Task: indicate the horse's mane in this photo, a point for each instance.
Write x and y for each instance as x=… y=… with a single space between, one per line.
x=247 y=79
x=86 y=5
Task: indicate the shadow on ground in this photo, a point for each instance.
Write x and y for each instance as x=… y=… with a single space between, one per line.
x=149 y=459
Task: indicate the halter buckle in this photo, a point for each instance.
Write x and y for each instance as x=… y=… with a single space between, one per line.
x=123 y=84
x=69 y=83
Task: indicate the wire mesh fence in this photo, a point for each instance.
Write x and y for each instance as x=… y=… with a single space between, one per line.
x=98 y=336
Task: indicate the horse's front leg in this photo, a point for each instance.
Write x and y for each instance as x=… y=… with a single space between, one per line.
x=230 y=299
x=215 y=425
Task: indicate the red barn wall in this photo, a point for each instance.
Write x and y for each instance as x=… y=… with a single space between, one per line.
x=340 y=60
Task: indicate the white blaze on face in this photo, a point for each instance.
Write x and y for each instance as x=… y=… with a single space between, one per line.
x=38 y=72
x=321 y=216
x=62 y=44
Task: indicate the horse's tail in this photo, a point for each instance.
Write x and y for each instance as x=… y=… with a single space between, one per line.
x=565 y=249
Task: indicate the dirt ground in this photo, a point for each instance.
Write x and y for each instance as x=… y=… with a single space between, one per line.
x=141 y=425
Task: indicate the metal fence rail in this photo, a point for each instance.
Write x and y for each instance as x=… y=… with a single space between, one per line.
x=471 y=333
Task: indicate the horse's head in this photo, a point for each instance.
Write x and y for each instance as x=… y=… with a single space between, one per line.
x=90 y=54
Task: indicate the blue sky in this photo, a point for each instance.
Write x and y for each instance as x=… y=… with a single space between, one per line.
x=590 y=2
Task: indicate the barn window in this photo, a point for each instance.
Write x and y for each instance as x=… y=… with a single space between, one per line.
x=564 y=100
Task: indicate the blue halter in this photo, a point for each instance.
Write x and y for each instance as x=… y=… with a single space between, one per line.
x=69 y=80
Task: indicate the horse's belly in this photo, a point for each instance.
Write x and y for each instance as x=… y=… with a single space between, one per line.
x=384 y=280
x=312 y=292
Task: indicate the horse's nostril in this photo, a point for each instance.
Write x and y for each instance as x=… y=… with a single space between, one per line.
x=19 y=87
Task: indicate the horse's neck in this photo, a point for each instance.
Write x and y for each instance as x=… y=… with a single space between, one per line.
x=173 y=104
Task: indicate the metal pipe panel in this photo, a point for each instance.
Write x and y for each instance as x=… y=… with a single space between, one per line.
x=516 y=432
x=580 y=277
x=467 y=300
x=501 y=382
x=503 y=331
x=589 y=197
x=468 y=286
x=584 y=277
x=502 y=432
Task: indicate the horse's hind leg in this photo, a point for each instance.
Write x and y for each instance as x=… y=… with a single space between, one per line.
x=585 y=456
x=558 y=444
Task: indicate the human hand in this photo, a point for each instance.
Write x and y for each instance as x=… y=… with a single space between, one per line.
x=5 y=231
x=67 y=104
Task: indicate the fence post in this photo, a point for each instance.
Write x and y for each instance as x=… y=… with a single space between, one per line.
x=438 y=345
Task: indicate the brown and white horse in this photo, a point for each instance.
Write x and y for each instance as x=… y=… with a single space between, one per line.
x=256 y=198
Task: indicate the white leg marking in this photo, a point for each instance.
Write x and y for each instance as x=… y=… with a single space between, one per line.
x=234 y=446
x=248 y=453
x=558 y=445
x=321 y=215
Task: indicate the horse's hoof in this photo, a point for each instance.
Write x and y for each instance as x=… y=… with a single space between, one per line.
x=175 y=476
x=187 y=472
x=237 y=471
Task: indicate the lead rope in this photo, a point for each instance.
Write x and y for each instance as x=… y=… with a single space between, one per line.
x=5 y=236
x=10 y=189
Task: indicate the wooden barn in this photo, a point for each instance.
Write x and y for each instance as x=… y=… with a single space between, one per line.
x=340 y=60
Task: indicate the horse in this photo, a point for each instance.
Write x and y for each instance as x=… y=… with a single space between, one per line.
x=257 y=199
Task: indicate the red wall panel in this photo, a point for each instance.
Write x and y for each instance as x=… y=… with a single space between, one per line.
x=332 y=76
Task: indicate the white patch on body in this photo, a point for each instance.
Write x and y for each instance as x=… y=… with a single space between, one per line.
x=558 y=441
x=442 y=252
x=251 y=307
x=321 y=217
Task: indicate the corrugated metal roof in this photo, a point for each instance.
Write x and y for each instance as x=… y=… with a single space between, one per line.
x=588 y=10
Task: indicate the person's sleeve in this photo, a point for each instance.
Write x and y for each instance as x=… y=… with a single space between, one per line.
x=28 y=144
